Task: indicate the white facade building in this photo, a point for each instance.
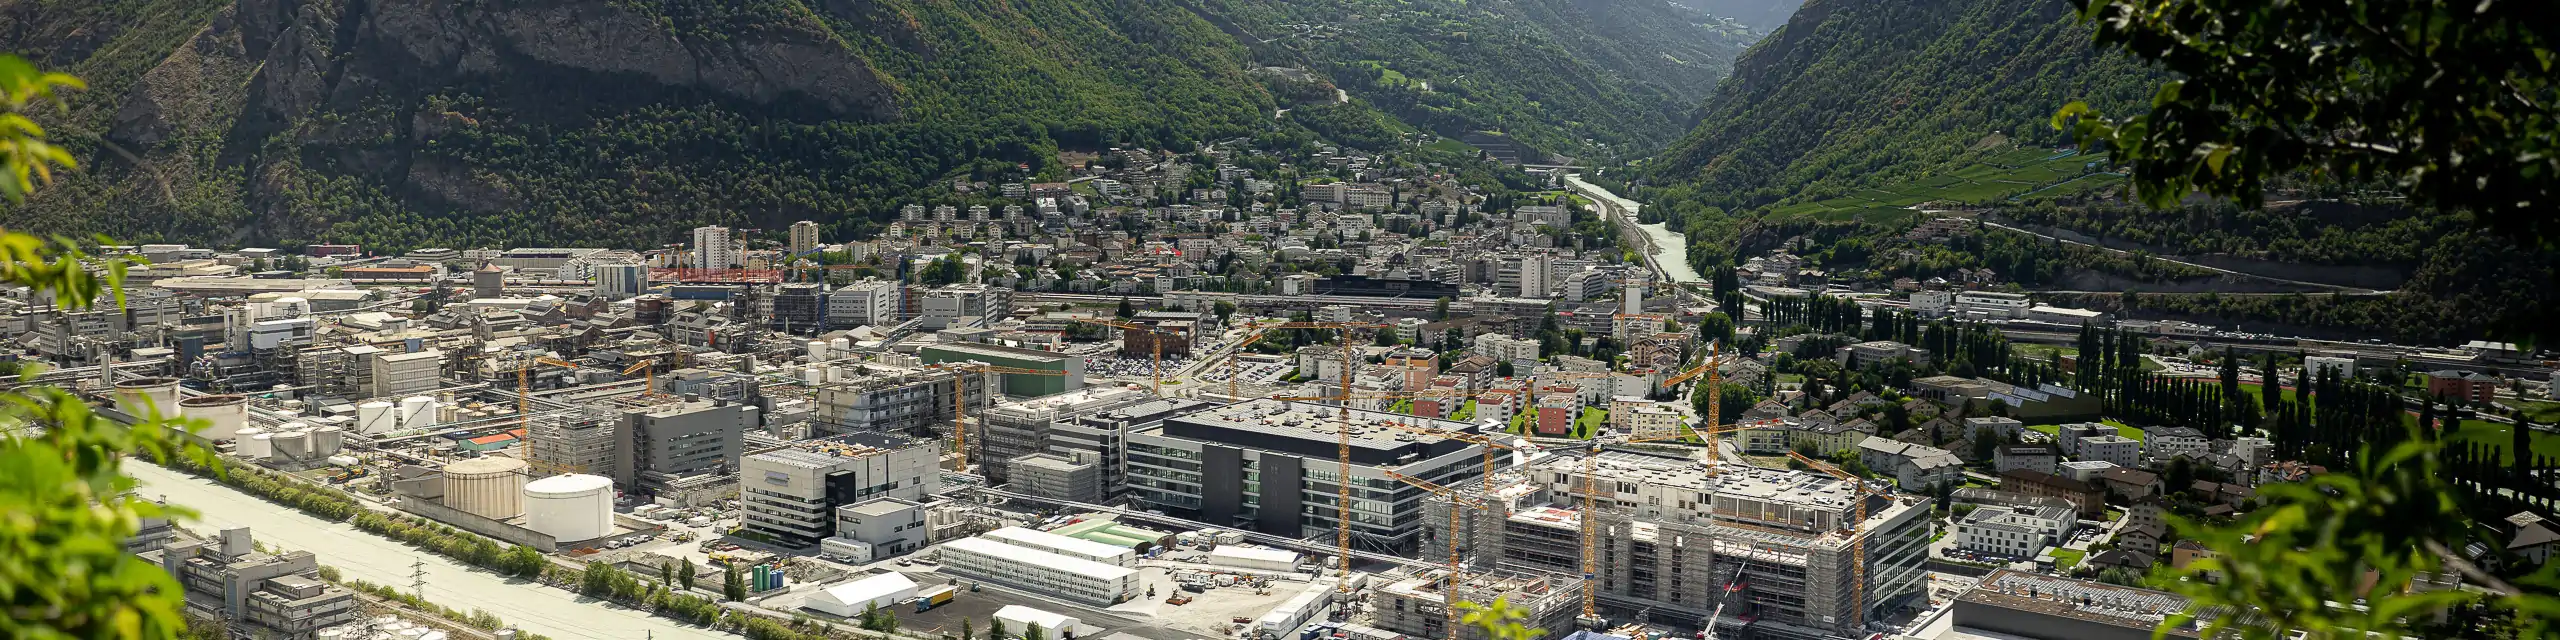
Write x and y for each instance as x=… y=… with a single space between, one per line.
x=2015 y=532
x=790 y=494
x=2124 y=452
x=1064 y=577
x=871 y=302
x=713 y=248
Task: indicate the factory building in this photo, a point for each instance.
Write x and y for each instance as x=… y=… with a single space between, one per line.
x=791 y=493
x=907 y=400
x=1674 y=534
x=1271 y=465
x=1023 y=385
x=1017 y=428
x=670 y=445
x=276 y=594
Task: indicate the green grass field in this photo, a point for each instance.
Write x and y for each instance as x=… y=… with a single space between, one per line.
x=2065 y=559
x=2128 y=431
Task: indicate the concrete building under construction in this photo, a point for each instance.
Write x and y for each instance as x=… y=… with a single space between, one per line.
x=1418 y=606
x=1752 y=552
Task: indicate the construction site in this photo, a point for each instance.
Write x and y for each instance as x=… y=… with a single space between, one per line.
x=1666 y=539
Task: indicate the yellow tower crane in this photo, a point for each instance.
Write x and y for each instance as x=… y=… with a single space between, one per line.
x=960 y=400
x=1449 y=591
x=1857 y=540
x=1590 y=509
x=524 y=411
x=1715 y=393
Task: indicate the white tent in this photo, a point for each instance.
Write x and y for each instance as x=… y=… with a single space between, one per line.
x=1017 y=617
x=849 y=599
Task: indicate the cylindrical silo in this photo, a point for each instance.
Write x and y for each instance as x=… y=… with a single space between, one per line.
x=375 y=418
x=840 y=345
x=147 y=397
x=836 y=374
x=417 y=411
x=570 y=507
x=326 y=440
x=257 y=446
x=813 y=375
x=292 y=443
x=225 y=416
x=489 y=486
x=817 y=351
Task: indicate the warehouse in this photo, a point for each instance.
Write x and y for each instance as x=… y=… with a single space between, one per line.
x=1254 y=558
x=852 y=598
x=1066 y=578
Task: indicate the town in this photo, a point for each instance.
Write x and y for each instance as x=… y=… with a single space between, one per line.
x=1238 y=393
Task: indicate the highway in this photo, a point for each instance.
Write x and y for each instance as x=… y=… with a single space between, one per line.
x=359 y=555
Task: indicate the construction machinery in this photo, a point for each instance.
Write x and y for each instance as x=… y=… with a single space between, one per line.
x=960 y=400
x=648 y=366
x=1156 y=340
x=524 y=409
x=1857 y=541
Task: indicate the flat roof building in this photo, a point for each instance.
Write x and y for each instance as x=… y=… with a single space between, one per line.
x=791 y=493
x=1270 y=465
x=1059 y=576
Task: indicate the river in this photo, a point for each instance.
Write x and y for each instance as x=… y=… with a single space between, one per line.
x=1668 y=250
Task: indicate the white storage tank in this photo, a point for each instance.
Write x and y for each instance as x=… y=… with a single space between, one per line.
x=417 y=411
x=345 y=461
x=257 y=446
x=813 y=375
x=490 y=486
x=326 y=440
x=817 y=351
x=226 y=417
x=146 y=397
x=373 y=418
x=841 y=344
x=569 y=507
x=292 y=442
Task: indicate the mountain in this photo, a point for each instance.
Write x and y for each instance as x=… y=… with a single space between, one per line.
x=1760 y=15
x=1548 y=74
x=1853 y=94
x=413 y=123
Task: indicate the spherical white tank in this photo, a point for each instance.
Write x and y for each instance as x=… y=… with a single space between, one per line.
x=225 y=417
x=146 y=397
x=570 y=507
x=373 y=418
x=326 y=440
x=489 y=486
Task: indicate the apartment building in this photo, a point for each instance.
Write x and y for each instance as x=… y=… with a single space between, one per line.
x=871 y=302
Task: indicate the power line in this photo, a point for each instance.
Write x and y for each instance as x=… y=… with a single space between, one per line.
x=418 y=578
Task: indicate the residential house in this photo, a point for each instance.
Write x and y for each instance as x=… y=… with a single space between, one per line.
x=2134 y=483
x=2012 y=531
x=2465 y=385
x=2170 y=442
x=2114 y=449
x=2091 y=500
x=1912 y=467
x=2034 y=457
x=2531 y=537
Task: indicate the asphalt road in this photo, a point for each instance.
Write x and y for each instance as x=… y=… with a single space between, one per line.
x=534 y=608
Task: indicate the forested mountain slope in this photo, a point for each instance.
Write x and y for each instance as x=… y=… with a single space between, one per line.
x=464 y=123
x=1858 y=93
x=1760 y=15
